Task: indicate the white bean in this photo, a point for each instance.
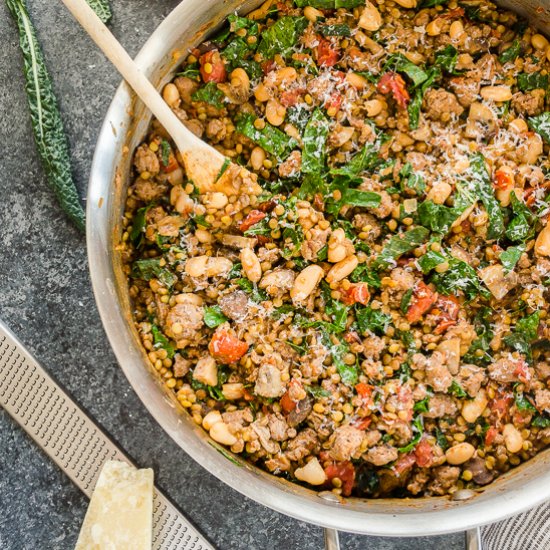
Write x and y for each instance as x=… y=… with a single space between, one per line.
x=251 y=265
x=218 y=266
x=342 y=269
x=306 y=282
x=171 y=95
x=406 y=3
x=311 y=473
x=216 y=200
x=206 y=371
x=196 y=267
x=274 y=112
x=210 y=419
x=336 y=246
x=440 y=192
x=471 y=410
x=312 y=14
x=189 y=298
x=496 y=93
x=257 y=157
x=201 y=266
x=203 y=236
x=220 y=432
x=512 y=438
x=373 y=107
x=460 y=453
x=542 y=244
x=370 y=19
x=451 y=349
x=233 y=391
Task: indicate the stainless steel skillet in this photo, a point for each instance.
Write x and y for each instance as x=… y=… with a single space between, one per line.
x=124 y=127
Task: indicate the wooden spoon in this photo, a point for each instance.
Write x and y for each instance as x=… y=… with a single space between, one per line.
x=203 y=164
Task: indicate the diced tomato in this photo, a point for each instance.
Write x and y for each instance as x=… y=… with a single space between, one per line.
x=404 y=463
x=449 y=308
x=327 y=55
x=252 y=218
x=424 y=454
x=267 y=206
x=364 y=390
x=333 y=103
x=490 y=436
x=503 y=179
x=423 y=300
x=362 y=423
x=267 y=66
x=500 y=405
x=351 y=336
x=356 y=294
x=283 y=8
x=247 y=395
x=453 y=14
x=394 y=83
x=172 y=164
x=263 y=239
x=290 y=97
x=529 y=196
x=522 y=371
x=226 y=348
x=287 y=403
x=345 y=471
x=212 y=67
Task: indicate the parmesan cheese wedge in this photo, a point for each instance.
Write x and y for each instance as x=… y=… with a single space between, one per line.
x=120 y=514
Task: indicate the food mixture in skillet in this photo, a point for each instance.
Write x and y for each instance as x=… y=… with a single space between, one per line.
x=374 y=320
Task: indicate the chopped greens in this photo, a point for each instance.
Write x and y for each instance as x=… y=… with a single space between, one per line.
x=334 y=30
x=447 y=58
x=270 y=138
x=161 y=342
x=411 y=181
x=399 y=245
x=510 y=257
x=541 y=125
x=418 y=430
x=149 y=269
x=532 y=81
x=433 y=74
x=399 y=63
x=523 y=335
x=459 y=277
x=457 y=390
x=282 y=36
x=372 y=320
x=251 y=289
x=511 y=53
x=482 y=187
x=213 y=316
x=138 y=226
x=523 y=223
x=209 y=93
x=315 y=137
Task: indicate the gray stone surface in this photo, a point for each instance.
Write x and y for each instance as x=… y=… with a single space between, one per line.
x=45 y=297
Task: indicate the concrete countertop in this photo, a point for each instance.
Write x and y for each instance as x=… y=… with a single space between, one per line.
x=46 y=299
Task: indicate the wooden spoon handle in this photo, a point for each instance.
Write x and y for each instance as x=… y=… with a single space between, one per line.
x=111 y=47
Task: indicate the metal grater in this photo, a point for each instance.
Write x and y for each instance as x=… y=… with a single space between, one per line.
x=72 y=440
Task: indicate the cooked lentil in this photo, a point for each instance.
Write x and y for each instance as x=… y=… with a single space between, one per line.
x=366 y=324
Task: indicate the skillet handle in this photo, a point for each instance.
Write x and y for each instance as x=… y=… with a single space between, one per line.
x=473 y=539
x=331 y=539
